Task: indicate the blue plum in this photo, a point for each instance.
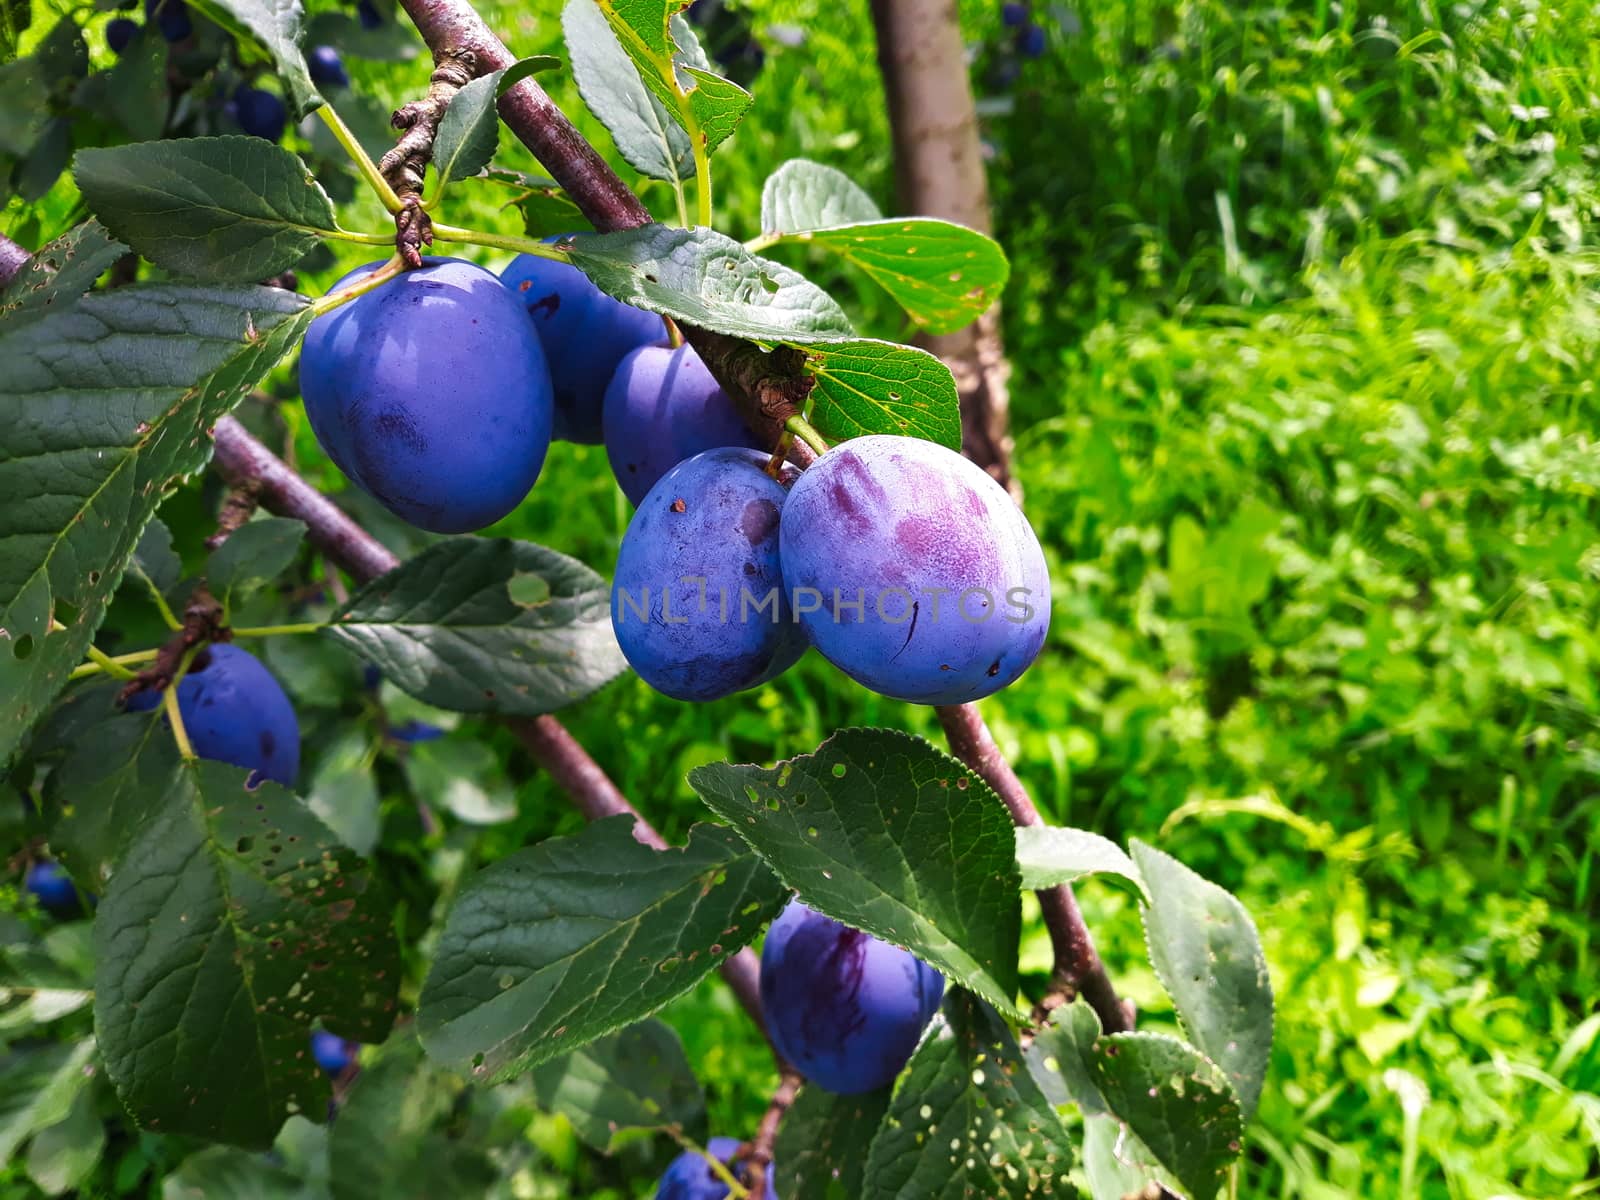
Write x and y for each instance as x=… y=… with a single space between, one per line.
x=171 y=18
x=327 y=67
x=844 y=1007
x=50 y=885
x=431 y=393
x=260 y=113
x=697 y=602
x=415 y=731
x=120 y=32
x=1013 y=14
x=662 y=407
x=332 y=1052
x=367 y=12
x=690 y=1177
x=913 y=572
x=236 y=712
x=585 y=333
x=1031 y=41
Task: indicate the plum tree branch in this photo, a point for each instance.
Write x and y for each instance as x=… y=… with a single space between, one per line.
x=405 y=166
x=757 y=1152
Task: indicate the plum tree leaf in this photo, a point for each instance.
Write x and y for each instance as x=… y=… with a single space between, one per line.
x=883 y=832
x=233 y=922
x=802 y=195
x=103 y=407
x=1175 y=1100
x=823 y=1144
x=967 y=1119
x=1049 y=854
x=707 y=279
x=1117 y=1164
x=646 y=132
x=58 y=274
x=564 y=942
x=223 y=1173
x=636 y=1078
x=486 y=625
x=673 y=66
x=1205 y=948
x=470 y=127
x=1058 y=1058
x=62 y=1154
x=867 y=386
x=154 y=560
x=95 y=796
x=391 y=41
x=276 y=25
x=37 y=1087
x=255 y=553
x=225 y=209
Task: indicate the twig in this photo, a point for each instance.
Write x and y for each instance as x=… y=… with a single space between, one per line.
x=757 y=1152
x=202 y=625
x=406 y=165
x=238 y=507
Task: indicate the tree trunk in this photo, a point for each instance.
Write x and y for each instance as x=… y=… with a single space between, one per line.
x=939 y=173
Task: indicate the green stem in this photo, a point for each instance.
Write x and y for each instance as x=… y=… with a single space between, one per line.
x=801 y=428
x=255 y=631
x=360 y=287
x=702 y=174
x=169 y=702
x=683 y=202
x=364 y=164
x=361 y=239
x=165 y=609
x=500 y=241
x=102 y=661
x=674 y=334
x=757 y=244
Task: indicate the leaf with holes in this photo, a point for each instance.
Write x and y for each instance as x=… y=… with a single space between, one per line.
x=1175 y=1100
x=233 y=922
x=276 y=25
x=1059 y=1055
x=644 y=129
x=61 y=272
x=1049 y=854
x=673 y=66
x=823 y=1144
x=1206 y=950
x=967 y=1119
x=487 y=625
x=1117 y=1164
x=470 y=126
x=706 y=278
x=636 y=1078
x=883 y=832
x=103 y=405
x=225 y=209
x=866 y=386
x=802 y=195
x=562 y=943
x=256 y=553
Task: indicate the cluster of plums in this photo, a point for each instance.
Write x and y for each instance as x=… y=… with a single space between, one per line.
x=904 y=564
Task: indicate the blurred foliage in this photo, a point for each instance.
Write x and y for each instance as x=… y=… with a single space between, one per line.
x=1303 y=332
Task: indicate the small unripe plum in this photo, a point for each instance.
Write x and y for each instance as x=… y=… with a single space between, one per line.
x=697 y=603
x=661 y=407
x=431 y=393
x=327 y=67
x=585 y=333
x=120 y=32
x=234 y=711
x=913 y=571
x=844 y=1007
x=690 y=1176
x=171 y=18
x=50 y=885
x=332 y=1052
x=260 y=113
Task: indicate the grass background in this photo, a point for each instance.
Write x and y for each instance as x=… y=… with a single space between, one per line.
x=1303 y=332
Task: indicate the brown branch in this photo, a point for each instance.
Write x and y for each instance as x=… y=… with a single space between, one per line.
x=238 y=507
x=756 y=1154
x=241 y=459
x=406 y=165
x=12 y=259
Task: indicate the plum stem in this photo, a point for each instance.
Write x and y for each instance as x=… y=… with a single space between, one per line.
x=169 y=701
x=406 y=165
x=757 y=1152
x=736 y=1190
x=202 y=624
x=500 y=241
x=802 y=429
x=240 y=457
x=368 y=282
x=674 y=334
x=364 y=164
x=114 y=667
x=258 y=631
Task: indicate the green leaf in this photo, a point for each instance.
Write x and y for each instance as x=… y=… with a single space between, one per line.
x=233 y=922
x=802 y=195
x=154 y=560
x=470 y=126
x=823 y=1144
x=454 y=627
x=102 y=408
x=344 y=794
x=1116 y=1163
x=24 y=105
x=867 y=386
x=62 y=1155
x=37 y=1087
x=111 y=782
x=46 y=161
x=646 y=132
x=707 y=279
x=1048 y=855
x=636 y=1078
x=58 y=275
x=226 y=209
x=276 y=25
x=463 y=776
x=1175 y=1100
x=1206 y=951
x=223 y=1173
x=561 y=943
x=133 y=94
x=1059 y=1056
x=967 y=1119
x=673 y=66
x=390 y=1139
x=883 y=832
x=255 y=554
x=391 y=41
